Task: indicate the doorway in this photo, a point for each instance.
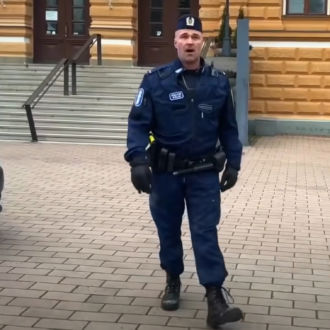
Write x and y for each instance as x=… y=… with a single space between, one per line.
x=157 y=21
x=61 y=27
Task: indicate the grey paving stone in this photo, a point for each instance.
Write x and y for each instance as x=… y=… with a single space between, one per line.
x=86 y=247
x=60 y=324
x=186 y=322
x=156 y=327
x=9 y=327
x=21 y=293
x=121 y=309
x=15 y=320
x=268 y=319
x=143 y=319
x=103 y=299
x=47 y=313
x=93 y=316
x=65 y=296
x=11 y=310
x=112 y=326
x=311 y=322
x=280 y=327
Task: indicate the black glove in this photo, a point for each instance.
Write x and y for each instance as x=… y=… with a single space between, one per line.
x=228 y=179
x=141 y=178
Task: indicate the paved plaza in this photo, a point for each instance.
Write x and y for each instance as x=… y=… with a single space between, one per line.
x=78 y=248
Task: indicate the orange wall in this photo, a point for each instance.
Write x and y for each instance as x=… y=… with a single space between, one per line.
x=290 y=81
x=16 y=24
x=284 y=81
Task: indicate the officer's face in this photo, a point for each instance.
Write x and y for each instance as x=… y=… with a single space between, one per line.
x=189 y=45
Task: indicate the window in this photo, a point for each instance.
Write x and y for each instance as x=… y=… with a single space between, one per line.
x=306 y=7
x=184 y=7
x=156 y=18
x=78 y=18
x=51 y=17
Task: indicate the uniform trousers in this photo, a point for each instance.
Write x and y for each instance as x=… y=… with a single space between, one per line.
x=200 y=193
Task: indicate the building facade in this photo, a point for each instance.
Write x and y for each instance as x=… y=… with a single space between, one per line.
x=290 y=58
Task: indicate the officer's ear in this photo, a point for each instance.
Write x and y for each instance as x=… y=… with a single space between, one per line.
x=175 y=40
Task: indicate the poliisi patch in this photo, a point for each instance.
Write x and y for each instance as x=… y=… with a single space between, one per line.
x=176 y=96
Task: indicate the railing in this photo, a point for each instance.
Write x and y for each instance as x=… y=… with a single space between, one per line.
x=88 y=44
x=61 y=66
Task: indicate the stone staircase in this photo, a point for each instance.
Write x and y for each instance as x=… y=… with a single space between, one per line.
x=98 y=114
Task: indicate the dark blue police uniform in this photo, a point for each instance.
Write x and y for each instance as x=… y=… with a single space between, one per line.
x=188 y=114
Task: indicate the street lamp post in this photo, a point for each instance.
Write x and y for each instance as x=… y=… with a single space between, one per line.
x=226 y=46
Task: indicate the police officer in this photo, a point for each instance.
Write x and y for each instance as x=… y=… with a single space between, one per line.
x=187 y=106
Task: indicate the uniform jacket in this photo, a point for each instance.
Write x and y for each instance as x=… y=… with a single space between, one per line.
x=187 y=122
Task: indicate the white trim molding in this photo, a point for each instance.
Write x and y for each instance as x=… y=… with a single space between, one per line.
x=117 y=42
x=20 y=40
x=290 y=44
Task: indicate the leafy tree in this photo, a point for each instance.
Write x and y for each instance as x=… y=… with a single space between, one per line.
x=221 y=33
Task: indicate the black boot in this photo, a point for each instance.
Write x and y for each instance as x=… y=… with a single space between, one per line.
x=218 y=310
x=171 y=297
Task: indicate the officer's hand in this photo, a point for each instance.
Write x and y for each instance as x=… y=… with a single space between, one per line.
x=228 y=179
x=141 y=178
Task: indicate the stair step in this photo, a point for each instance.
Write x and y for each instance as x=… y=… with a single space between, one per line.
x=10 y=95
x=14 y=135
x=55 y=122
x=73 y=115
x=98 y=114
x=78 y=128
x=84 y=139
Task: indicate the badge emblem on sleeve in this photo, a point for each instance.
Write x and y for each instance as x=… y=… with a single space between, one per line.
x=139 y=97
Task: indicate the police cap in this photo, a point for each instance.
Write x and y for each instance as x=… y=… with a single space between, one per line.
x=189 y=22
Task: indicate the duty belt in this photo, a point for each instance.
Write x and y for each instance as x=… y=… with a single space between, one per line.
x=165 y=161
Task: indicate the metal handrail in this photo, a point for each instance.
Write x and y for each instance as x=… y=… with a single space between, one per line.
x=62 y=65
x=42 y=89
x=88 y=44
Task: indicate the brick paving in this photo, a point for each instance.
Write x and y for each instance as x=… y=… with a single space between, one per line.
x=78 y=249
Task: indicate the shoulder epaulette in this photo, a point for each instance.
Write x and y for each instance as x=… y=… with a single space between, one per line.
x=216 y=72
x=162 y=71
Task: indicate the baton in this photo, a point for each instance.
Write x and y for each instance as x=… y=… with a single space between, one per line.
x=197 y=168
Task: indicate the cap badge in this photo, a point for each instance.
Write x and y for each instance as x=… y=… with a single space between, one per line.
x=190 y=21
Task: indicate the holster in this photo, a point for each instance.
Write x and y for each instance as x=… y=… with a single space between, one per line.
x=162 y=160
x=219 y=159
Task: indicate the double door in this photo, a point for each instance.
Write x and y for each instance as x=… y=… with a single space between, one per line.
x=156 y=25
x=61 y=27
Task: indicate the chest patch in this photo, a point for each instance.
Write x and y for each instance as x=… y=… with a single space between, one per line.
x=205 y=107
x=176 y=96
